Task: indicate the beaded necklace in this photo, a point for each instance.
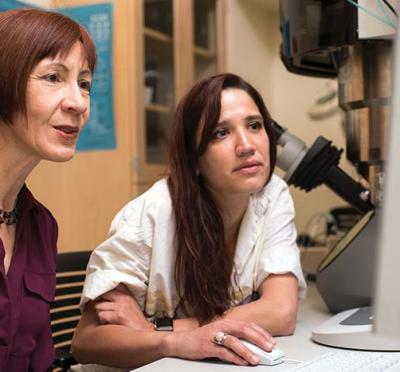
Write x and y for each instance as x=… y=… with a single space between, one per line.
x=9 y=217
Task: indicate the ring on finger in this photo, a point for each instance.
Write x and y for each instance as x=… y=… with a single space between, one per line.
x=220 y=338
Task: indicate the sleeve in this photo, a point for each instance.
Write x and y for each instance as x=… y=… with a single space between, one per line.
x=280 y=254
x=123 y=258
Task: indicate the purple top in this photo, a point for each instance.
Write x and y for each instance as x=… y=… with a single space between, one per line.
x=27 y=290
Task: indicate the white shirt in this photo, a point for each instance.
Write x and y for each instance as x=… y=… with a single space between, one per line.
x=139 y=250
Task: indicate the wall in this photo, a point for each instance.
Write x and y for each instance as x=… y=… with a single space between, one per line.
x=253 y=41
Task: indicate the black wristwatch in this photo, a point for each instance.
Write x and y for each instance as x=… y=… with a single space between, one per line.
x=164 y=324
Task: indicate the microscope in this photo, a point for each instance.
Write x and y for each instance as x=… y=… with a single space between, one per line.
x=352 y=42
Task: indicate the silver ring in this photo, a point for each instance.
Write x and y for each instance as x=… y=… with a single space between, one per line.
x=219 y=338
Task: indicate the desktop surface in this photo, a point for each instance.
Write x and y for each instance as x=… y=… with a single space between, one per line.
x=312 y=312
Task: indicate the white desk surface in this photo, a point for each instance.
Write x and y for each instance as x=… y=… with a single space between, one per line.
x=312 y=312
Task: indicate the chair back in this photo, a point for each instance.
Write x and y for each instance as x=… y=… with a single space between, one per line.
x=64 y=311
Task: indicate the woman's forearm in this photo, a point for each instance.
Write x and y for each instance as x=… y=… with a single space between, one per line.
x=186 y=324
x=118 y=346
x=276 y=309
x=277 y=320
x=115 y=345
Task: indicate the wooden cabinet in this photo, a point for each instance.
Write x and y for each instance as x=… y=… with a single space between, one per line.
x=156 y=58
x=178 y=43
x=206 y=19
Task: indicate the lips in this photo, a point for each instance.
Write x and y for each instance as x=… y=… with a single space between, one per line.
x=67 y=129
x=67 y=133
x=248 y=166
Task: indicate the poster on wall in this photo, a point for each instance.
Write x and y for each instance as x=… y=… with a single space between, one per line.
x=10 y=4
x=99 y=133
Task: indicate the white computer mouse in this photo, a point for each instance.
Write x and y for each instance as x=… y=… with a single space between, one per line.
x=275 y=356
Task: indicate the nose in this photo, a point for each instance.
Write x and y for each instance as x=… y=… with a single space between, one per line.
x=244 y=145
x=75 y=101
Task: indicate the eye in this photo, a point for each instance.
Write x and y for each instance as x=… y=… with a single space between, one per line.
x=52 y=78
x=85 y=85
x=220 y=133
x=255 y=125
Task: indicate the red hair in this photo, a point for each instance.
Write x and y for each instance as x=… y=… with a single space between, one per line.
x=28 y=36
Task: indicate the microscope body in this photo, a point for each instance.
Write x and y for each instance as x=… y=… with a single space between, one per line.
x=334 y=39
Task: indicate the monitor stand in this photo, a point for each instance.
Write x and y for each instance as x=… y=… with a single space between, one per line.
x=352 y=329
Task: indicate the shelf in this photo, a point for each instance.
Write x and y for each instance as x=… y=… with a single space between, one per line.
x=203 y=52
x=158 y=108
x=157 y=35
x=176 y=54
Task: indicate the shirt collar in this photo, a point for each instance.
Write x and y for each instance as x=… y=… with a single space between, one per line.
x=26 y=202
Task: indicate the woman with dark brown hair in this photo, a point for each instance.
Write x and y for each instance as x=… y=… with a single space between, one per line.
x=208 y=254
x=46 y=66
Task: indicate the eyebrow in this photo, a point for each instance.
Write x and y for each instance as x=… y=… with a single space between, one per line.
x=65 y=68
x=247 y=118
x=254 y=117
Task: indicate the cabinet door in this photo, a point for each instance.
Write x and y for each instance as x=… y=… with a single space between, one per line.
x=180 y=46
x=205 y=38
x=159 y=78
x=156 y=80
x=85 y=193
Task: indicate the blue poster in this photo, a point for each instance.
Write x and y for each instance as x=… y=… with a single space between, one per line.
x=99 y=133
x=10 y=4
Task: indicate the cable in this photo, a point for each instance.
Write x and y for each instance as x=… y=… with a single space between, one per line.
x=390 y=7
x=384 y=11
x=379 y=18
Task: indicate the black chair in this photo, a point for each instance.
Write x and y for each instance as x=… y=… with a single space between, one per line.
x=64 y=311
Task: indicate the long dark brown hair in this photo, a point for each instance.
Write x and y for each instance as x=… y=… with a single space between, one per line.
x=203 y=266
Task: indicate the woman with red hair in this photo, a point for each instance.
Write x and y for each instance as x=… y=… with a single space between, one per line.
x=46 y=66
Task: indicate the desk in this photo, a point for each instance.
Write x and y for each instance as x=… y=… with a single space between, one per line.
x=312 y=312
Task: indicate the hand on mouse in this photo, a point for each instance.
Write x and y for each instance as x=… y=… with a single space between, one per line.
x=201 y=343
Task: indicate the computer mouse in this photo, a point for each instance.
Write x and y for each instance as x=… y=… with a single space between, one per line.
x=275 y=356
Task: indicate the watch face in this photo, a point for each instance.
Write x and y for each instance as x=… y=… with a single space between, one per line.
x=164 y=324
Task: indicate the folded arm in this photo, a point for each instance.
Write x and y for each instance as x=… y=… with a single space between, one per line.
x=112 y=344
x=275 y=310
x=136 y=343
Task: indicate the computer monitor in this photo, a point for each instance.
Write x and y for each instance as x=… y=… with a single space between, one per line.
x=387 y=291
x=380 y=330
